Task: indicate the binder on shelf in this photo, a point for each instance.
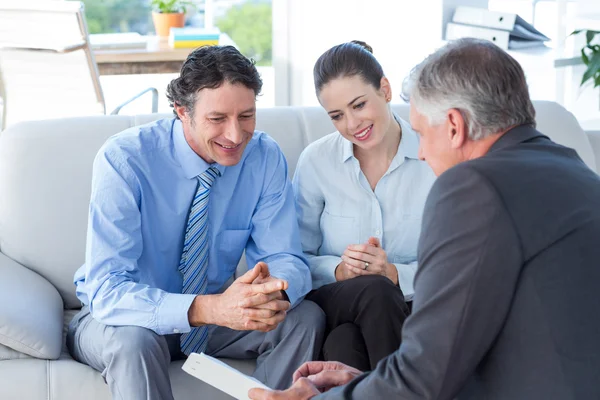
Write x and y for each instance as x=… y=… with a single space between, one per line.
x=484 y=18
x=502 y=39
x=457 y=31
x=509 y=31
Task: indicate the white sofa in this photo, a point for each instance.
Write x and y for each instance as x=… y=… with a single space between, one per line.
x=45 y=171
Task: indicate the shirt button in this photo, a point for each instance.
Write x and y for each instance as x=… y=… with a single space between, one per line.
x=378 y=232
x=175 y=330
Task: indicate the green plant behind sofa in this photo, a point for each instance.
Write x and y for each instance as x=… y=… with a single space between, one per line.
x=590 y=55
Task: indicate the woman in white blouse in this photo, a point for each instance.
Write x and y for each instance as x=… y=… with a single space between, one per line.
x=360 y=193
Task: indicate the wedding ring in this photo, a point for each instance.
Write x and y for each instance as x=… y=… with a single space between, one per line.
x=366 y=265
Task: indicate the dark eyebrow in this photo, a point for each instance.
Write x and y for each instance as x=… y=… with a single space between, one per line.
x=350 y=103
x=252 y=109
x=220 y=114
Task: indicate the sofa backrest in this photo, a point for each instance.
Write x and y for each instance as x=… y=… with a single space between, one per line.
x=46 y=169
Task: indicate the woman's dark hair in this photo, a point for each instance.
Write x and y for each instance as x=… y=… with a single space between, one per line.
x=209 y=67
x=347 y=60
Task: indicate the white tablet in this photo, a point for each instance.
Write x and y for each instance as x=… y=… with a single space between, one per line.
x=220 y=375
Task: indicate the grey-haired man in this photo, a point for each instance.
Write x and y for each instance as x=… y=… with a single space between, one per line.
x=506 y=301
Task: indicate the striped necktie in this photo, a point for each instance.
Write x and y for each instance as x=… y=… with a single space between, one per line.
x=194 y=257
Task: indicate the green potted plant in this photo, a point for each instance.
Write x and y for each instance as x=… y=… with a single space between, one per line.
x=167 y=14
x=590 y=55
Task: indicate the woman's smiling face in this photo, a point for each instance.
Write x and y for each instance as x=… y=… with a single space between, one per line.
x=358 y=110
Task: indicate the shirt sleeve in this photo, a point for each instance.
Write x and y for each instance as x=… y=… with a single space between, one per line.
x=470 y=260
x=274 y=238
x=310 y=204
x=114 y=245
x=406 y=277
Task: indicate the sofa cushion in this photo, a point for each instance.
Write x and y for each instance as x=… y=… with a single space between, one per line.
x=594 y=138
x=6 y=353
x=562 y=127
x=31 y=316
x=69 y=379
x=24 y=380
x=45 y=181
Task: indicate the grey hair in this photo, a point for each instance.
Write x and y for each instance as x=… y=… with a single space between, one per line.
x=483 y=82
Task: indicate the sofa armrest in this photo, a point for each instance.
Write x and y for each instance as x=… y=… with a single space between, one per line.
x=31 y=315
x=594 y=138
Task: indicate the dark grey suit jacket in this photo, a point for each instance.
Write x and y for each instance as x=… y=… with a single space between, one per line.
x=507 y=296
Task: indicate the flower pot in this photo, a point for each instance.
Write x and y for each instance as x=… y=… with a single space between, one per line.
x=163 y=22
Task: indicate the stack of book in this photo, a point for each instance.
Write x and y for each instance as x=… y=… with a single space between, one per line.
x=113 y=41
x=508 y=31
x=190 y=38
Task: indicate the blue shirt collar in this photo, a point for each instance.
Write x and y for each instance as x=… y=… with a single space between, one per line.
x=191 y=163
x=408 y=147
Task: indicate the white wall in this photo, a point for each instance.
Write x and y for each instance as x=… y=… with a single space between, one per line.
x=401 y=32
x=584 y=101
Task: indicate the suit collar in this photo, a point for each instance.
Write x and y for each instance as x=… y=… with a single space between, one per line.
x=516 y=135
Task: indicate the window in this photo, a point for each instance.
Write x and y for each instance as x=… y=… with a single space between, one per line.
x=247 y=24
x=110 y=16
x=557 y=19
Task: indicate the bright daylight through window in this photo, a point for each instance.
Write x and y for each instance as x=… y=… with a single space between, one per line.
x=245 y=23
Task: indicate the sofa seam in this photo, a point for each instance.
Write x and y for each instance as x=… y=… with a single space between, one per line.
x=20 y=355
x=304 y=120
x=48 y=372
x=17 y=342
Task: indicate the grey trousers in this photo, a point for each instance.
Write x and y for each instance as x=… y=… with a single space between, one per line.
x=134 y=361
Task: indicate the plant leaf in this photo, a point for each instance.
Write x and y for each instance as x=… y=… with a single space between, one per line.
x=586 y=76
x=171 y=6
x=590 y=35
x=593 y=68
x=584 y=57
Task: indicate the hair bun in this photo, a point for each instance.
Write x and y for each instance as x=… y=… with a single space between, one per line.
x=363 y=45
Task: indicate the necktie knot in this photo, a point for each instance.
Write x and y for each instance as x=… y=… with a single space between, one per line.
x=207 y=178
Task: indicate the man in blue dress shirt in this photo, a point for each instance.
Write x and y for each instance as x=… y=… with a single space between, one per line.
x=173 y=206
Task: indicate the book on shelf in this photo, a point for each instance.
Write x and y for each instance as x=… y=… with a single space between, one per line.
x=192 y=44
x=180 y=38
x=114 y=41
x=194 y=34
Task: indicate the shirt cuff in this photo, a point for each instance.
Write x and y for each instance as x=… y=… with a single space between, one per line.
x=298 y=286
x=406 y=277
x=172 y=314
x=323 y=269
